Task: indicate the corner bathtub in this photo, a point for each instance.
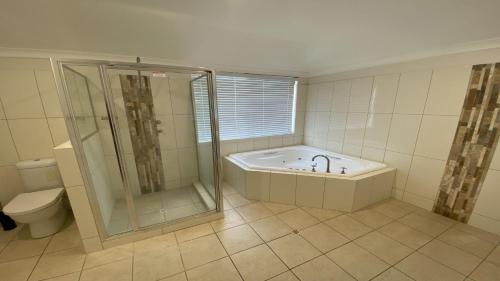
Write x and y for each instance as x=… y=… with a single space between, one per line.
x=284 y=175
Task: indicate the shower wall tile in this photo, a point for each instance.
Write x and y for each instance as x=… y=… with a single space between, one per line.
x=436 y=136
x=58 y=130
x=48 y=93
x=384 y=92
x=32 y=138
x=167 y=137
x=181 y=95
x=160 y=88
x=447 y=90
x=412 y=92
x=359 y=98
x=184 y=130
x=403 y=133
x=19 y=94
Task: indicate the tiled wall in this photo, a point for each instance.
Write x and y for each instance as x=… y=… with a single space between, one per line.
x=31 y=120
x=233 y=146
x=405 y=119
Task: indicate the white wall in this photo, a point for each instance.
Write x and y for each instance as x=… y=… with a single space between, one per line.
x=403 y=114
x=31 y=120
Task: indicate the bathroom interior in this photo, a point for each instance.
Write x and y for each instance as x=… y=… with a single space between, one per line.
x=250 y=140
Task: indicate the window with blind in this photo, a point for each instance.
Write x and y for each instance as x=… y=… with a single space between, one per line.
x=251 y=106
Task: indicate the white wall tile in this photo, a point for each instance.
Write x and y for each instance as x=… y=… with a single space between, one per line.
x=10 y=183
x=384 y=92
x=310 y=124
x=8 y=153
x=180 y=95
x=355 y=128
x=495 y=161
x=48 y=93
x=436 y=136
x=312 y=97
x=425 y=176
x=68 y=166
x=257 y=185
x=373 y=154
x=19 y=94
x=447 y=90
x=485 y=223
x=324 y=101
x=402 y=163
x=322 y=123
x=261 y=143
x=377 y=130
x=244 y=146
x=58 y=130
x=334 y=146
x=184 y=131
x=340 y=98
x=301 y=97
x=299 y=122
x=351 y=150
x=168 y=135
x=361 y=90
x=337 y=126
x=32 y=138
x=276 y=141
x=282 y=188
x=403 y=133
x=310 y=190
x=171 y=164
x=160 y=89
x=412 y=92
x=82 y=211
x=188 y=163
x=419 y=201
x=487 y=202
x=227 y=148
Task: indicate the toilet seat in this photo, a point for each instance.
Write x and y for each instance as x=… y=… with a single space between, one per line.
x=27 y=203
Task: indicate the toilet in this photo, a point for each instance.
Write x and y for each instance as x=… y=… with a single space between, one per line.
x=41 y=207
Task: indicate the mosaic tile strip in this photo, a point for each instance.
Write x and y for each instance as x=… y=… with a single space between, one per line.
x=475 y=141
x=143 y=131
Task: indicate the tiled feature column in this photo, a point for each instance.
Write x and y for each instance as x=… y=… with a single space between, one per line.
x=475 y=141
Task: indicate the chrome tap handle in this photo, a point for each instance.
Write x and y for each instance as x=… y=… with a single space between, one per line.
x=343 y=170
x=314 y=167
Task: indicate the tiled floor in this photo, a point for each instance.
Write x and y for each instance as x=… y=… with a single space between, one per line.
x=156 y=208
x=391 y=241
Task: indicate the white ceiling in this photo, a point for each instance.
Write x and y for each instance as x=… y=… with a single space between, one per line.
x=274 y=36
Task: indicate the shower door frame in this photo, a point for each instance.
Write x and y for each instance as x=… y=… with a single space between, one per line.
x=57 y=65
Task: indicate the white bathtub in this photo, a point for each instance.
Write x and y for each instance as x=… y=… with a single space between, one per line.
x=299 y=159
x=284 y=175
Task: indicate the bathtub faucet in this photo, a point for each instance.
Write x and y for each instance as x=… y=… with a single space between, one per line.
x=327 y=161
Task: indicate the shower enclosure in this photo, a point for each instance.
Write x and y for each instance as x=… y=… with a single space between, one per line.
x=146 y=141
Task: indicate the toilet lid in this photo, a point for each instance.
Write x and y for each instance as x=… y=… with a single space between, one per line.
x=26 y=203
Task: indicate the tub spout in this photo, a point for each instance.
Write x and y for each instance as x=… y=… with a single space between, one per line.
x=327 y=161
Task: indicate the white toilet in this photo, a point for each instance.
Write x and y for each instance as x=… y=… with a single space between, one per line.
x=41 y=207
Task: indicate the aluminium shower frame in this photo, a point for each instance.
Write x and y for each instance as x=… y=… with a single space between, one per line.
x=102 y=66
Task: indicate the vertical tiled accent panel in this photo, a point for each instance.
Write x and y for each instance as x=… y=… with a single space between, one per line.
x=473 y=146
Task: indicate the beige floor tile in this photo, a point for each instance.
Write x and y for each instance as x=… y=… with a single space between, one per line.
x=405 y=235
x=154 y=264
x=19 y=249
x=231 y=219
x=236 y=200
x=109 y=255
x=286 y=276
x=227 y=205
x=423 y=224
x=219 y=270
x=403 y=204
x=120 y=270
x=436 y=217
x=322 y=214
x=357 y=261
x=455 y=258
x=63 y=240
x=201 y=250
x=486 y=271
x=58 y=263
x=323 y=237
x=227 y=189
x=18 y=270
x=387 y=249
x=271 y=228
x=481 y=234
x=467 y=242
x=164 y=240
x=176 y=277
x=494 y=257
x=348 y=226
x=255 y=211
x=278 y=208
x=298 y=219
x=258 y=263
x=391 y=210
x=422 y=268
x=239 y=238
x=6 y=236
x=68 y=277
x=371 y=218
x=293 y=250
x=321 y=269
x=392 y=274
x=193 y=232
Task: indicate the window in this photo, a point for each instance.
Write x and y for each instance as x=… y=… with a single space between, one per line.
x=251 y=106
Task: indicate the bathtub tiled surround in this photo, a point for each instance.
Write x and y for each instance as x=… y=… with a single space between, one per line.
x=309 y=190
x=31 y=120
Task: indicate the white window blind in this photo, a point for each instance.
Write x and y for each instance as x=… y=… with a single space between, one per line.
x=251 y=106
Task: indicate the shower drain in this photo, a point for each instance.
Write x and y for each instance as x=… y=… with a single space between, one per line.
x=295 y=231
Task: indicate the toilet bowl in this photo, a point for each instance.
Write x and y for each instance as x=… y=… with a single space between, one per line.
x=41 y=210
x=41 y=207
